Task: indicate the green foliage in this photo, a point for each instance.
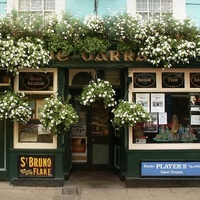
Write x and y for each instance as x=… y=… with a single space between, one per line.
x=164 y=41
x=14 y=107
x=129 y=113
x=95 y=90
x=57 y=116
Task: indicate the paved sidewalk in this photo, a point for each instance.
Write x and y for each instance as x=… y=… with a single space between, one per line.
x=95 y=186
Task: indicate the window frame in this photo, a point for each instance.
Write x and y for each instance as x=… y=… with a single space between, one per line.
x=34 y=145
x=187 y=88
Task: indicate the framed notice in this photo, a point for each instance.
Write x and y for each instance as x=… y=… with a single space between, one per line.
x=143 y=99
x=158 y=102
x=195 y=119
x=152 y=124
x=162 y=118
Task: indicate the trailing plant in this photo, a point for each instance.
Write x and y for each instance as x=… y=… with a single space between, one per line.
x=14 y=107
x=57 y=116
x=129 y=113
x=98 y=90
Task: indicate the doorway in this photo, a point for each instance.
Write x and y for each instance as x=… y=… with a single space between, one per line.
x=92 y=146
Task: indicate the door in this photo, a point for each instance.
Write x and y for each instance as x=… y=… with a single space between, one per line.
x=100 y=146
x=92 y=146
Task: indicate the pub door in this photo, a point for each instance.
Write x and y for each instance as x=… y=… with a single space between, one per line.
x=92 y=146
x=100 y=146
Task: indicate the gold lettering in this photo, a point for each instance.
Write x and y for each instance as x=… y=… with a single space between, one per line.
x=49 y=172
x=114 y=55
x=31 y=164
x=141 y=58
x=101 y=57
x=129 y=56
x=62 y=56
x=85 y=57
x=23 y=163
x=35 y=162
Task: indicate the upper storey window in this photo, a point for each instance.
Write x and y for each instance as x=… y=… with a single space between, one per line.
x=153 y=8
x=45 y=7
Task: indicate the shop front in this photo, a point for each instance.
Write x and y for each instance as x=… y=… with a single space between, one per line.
x=165 y=151
x=38 y=157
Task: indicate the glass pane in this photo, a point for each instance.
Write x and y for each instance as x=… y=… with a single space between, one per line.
x=24 y=5
x=36 y=5
x=100 y=154
x=49 y=4
x=141 y=5
x=100 y=119
x=166 y=6
x=154 y=5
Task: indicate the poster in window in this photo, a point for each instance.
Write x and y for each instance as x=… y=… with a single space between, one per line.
x=79 y=149
x=39 y=105
x=152 y=124
x=143 y=99
x=162 y=118
x=158 y=102
x=195 y=119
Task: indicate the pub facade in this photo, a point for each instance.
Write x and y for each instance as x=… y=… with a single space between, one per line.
x=164 y=150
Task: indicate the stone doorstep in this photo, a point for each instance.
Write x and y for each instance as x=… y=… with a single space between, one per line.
x=37 y=182
x=161 y=182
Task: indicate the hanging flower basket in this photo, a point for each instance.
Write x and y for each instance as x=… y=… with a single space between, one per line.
x=14 y=107
x=129 y=113
x=98 y=90
x=56 y=116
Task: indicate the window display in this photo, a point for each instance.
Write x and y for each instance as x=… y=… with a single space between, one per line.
x=175 y=118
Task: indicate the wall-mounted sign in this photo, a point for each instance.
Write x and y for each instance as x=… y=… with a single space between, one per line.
x=144 y=80
x=170 y=168
x=35 y=81
x=36 y=166
x=172 y=80
x=195 y=80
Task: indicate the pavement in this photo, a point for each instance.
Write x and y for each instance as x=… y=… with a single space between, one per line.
x=95 y=185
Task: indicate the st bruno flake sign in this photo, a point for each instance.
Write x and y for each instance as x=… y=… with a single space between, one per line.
x=36 y=166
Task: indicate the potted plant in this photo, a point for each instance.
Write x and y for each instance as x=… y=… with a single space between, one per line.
x=14 y=107
x=98 y=90
x=57 y=116
x=129 y=113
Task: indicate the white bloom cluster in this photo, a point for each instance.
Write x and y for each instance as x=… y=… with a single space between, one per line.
x=95 y=24
x=98 y=90
x=12 y=106
x=57 y=116
x=128 y=113
x=20 y=54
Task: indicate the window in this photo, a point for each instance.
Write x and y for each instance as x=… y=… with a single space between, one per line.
x=153 y=8
x=45 y=7
x=37 y=85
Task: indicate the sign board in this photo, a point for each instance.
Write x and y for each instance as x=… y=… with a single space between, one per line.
x=144 y=80
x=38 y=81
x=173 y=80
x=36 y=166
x=163 y=169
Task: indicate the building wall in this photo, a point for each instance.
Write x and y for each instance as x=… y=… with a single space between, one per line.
x=3 y=4
x=192 y=10
x=82 y=8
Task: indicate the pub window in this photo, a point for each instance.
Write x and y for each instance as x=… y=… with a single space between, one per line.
x=175 y=118
x=153 y=8
x=37 y=85
x=44 y=7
